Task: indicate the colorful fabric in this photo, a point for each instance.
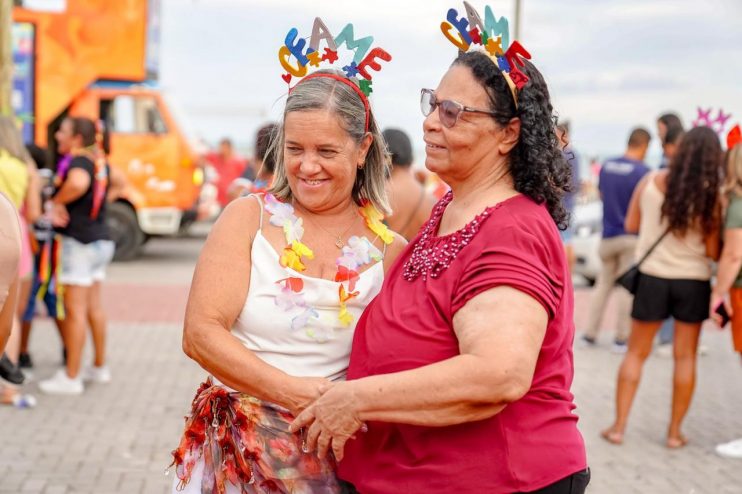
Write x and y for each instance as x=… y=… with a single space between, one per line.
x=235 y=441
x=534 y=441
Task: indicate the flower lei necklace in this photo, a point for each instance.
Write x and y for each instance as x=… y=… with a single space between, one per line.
x=357 y=253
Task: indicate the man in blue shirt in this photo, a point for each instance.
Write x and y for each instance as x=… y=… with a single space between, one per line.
x=618 y=178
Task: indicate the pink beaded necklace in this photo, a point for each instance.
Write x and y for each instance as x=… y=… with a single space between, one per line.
x=432 y=254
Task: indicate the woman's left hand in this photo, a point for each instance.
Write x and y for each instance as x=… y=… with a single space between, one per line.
x=332 y=419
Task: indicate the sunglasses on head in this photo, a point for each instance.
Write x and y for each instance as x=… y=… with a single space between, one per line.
x=448 y=111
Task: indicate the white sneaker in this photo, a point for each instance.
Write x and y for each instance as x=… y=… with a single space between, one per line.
x=619 y=347
x=100 y=375
x=732 y=449
x=664 y=350
x=62 y=384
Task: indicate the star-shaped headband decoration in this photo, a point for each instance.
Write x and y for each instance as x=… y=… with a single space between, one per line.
x=364 y=59
x=704 y=119
x=492 y=37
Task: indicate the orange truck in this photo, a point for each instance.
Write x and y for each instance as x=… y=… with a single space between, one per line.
x=98 y=59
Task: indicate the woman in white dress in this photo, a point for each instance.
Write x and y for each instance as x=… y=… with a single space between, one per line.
x=278 y=289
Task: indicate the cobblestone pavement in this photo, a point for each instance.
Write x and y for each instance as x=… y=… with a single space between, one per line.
x=116 y=438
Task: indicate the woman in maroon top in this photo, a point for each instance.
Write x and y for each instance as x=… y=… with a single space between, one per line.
x=462 y=366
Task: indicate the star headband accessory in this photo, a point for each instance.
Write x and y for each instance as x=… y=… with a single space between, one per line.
x=718 y=125
x=357 y=71
x=492 y=37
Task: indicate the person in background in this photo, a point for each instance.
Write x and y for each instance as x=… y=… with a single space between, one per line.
x=411 y=203
x=679 y=210
x=79 y=215
x=728 y=288
x=670 y=131
x=251 y=182
x=43 y=233
x=618 y=179
x=20 y=183
x=667 y=122
x=562 y=131
x=228 y=165
x=10 y=256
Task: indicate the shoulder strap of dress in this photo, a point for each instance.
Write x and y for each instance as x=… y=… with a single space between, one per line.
x=260 y=203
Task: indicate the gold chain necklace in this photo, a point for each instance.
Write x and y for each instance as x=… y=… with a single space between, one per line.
x=338 y=238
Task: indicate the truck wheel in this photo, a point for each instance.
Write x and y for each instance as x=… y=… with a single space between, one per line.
x=125 y=231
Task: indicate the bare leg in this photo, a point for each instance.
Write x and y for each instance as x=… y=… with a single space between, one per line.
x=25 y=329
x=629 y=374
x=75 y=322
x=97 y=321
x=685 y=345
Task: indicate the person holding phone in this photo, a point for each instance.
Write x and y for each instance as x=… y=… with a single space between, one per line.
x=681 y=205
x=726 y=297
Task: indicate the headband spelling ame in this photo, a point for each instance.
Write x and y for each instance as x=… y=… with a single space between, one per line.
x=360 y=64
x=494 y=37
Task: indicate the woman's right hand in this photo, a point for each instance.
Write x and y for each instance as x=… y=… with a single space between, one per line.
x=303 y=391
x=716 y=300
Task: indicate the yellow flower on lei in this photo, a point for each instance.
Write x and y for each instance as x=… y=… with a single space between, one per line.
x=374 y=222
x=291 y=257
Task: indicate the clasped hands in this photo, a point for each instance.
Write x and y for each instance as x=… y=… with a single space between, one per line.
x=330 y=420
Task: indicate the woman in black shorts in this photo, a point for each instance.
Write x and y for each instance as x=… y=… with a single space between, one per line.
x=678 y=206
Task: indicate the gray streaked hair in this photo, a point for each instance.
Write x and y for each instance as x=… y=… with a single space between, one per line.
x=325 y=93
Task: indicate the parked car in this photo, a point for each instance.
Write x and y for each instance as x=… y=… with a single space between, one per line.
x=587 y=222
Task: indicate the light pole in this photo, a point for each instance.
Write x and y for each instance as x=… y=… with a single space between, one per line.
x=6 y=57
x=517 y=20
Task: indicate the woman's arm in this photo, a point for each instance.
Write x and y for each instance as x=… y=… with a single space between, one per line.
x=634 y=213
x=729 y=266
x=496 y=366
x=10 y=253
x=32 y=204
x=217 y=296
x=713 y=240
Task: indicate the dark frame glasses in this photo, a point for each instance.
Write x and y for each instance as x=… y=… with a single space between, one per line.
x=448 y=111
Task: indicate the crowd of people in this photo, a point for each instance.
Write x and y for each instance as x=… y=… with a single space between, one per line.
x=365 y=333
x=64 y=250
x=669 y=223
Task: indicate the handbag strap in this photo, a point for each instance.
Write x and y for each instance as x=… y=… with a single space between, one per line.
x=644 y=257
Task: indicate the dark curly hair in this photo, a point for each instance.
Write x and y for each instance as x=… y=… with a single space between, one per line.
x=537 y=165
x=693 y=182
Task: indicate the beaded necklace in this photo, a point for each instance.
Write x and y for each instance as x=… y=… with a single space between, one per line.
x=358 y=252
x=432 y=255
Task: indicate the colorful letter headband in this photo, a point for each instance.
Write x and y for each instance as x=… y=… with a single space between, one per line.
x=363 y=59
x=494 y=37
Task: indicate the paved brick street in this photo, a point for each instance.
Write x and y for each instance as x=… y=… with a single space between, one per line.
x=117 y=438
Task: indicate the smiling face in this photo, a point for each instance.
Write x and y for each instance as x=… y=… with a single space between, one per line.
x=475 y=141
x=321 y=159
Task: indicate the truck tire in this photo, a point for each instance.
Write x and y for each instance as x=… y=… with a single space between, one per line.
x=125 y=231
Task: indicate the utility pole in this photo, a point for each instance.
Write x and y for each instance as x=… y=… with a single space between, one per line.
x=6 y=57
x=517 y=20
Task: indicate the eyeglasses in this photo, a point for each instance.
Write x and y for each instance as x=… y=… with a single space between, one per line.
x=448 y=111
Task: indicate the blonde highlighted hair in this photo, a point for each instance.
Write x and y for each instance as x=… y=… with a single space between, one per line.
x=733 y=182
x=325 y=93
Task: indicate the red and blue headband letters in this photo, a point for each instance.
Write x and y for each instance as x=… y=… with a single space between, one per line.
x=364 y=59
x=493 y=35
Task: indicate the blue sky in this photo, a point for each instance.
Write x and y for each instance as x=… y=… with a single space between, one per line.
x=610 y=65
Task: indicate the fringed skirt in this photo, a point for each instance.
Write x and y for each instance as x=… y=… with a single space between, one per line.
x=236 y=444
